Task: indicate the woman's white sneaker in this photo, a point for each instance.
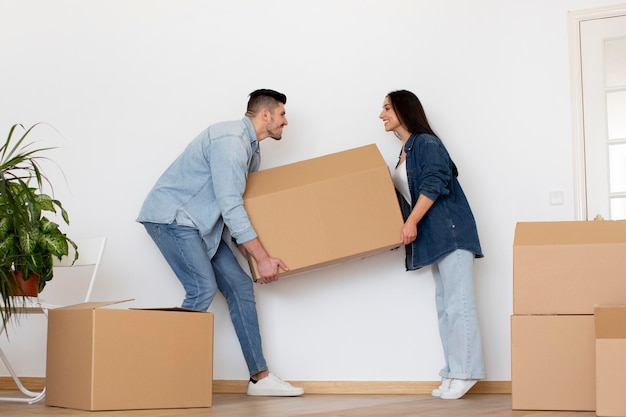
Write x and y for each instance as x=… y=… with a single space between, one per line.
x=445 y=385
x=458 y=388
x=273 y=386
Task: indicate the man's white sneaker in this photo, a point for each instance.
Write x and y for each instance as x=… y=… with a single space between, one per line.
x=458 y=388
x=272 y=386
x=445 y=385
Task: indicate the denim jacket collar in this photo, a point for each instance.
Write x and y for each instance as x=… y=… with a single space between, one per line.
x=410 y=142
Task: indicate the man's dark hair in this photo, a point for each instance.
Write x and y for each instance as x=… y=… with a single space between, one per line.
x=264 y=98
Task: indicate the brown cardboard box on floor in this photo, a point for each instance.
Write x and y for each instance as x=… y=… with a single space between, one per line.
x=568 y=267
x=121 y=359
x=610 y=323
x=553 y=362
x=325 y=210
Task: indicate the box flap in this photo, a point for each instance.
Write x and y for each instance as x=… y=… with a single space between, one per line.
x=311 y=171
x=610 y=322
x=189 y=310
x=570 y=232
x=93 y=304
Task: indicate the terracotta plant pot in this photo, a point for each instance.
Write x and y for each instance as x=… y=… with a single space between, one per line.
x=26 y=288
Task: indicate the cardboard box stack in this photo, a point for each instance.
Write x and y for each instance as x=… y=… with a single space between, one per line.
x=121 y=359
x=561 y=270
x=325 y=210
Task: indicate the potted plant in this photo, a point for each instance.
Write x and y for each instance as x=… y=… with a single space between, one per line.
x=28 y=239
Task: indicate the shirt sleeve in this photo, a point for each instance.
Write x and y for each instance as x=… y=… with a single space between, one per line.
x=435 y=170
x=228 y=159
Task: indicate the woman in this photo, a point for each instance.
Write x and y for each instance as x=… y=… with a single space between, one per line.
x=439 y=230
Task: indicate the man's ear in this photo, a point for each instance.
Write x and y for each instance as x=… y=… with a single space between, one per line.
x=265 y=114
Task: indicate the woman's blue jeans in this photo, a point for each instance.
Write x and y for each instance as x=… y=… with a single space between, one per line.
x=186 y=253
x=458 y=317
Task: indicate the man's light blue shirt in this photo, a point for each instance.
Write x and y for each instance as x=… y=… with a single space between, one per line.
x=203 y=188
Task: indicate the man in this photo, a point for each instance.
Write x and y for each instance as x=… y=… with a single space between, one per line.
x=195 y=200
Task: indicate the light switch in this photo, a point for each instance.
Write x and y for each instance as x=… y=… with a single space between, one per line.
x=556 y=198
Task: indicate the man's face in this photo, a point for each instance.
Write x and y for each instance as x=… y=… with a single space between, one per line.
x=276 y=122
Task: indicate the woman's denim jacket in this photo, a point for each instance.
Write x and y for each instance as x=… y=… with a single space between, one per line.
x=449 y=224
x=203 y=188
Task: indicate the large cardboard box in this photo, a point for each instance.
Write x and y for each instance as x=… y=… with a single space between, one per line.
x=553 y=363
x=610 y=323
x=568 y=267
x=119 y=359
x=325 y=210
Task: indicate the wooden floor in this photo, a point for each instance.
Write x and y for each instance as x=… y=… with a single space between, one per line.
x=240 y=405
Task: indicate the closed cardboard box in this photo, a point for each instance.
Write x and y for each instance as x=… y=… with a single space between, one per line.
x=610 y=323
x=553 y=363
x=324 y=210
x=119 y=359
x=568 y=267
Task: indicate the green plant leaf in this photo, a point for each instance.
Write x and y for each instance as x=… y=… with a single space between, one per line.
x=28 y=239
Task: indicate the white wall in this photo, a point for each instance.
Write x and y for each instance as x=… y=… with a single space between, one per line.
x=129 y=83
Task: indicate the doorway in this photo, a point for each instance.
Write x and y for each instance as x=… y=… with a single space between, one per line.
x=598 y=66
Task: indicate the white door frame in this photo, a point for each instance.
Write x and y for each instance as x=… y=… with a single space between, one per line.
x=575 y=19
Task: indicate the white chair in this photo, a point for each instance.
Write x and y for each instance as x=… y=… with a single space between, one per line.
x=71 y=284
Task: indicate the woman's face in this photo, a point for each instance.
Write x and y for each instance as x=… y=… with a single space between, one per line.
x=389 y=117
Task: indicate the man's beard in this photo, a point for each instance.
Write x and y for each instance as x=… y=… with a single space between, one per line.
x=277 y=135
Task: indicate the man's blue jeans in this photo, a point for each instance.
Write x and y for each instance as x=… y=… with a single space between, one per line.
x=458 y=317
x=186 y=253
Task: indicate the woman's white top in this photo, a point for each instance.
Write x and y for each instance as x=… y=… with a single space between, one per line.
x=401 y=182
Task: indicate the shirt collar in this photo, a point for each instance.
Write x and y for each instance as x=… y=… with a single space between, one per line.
x=251 y=132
